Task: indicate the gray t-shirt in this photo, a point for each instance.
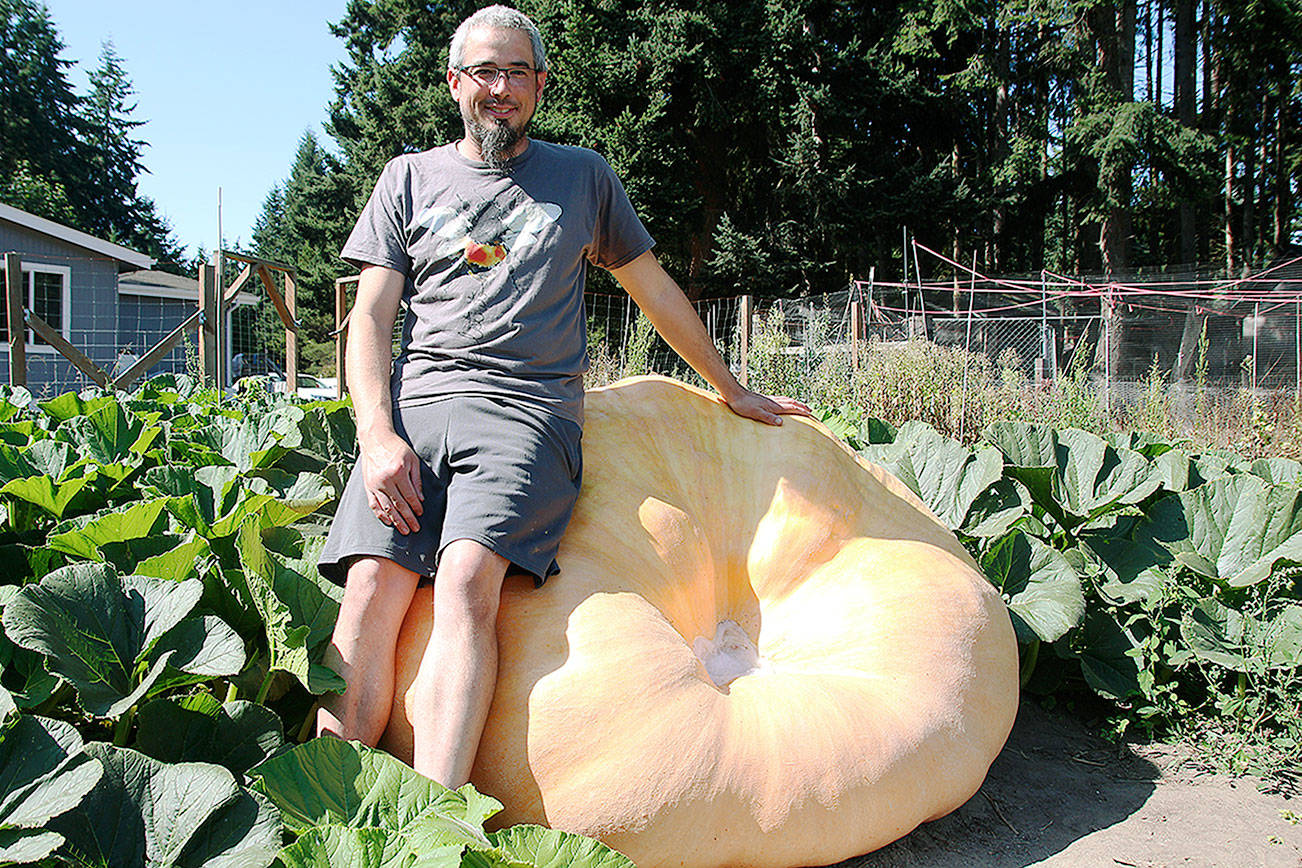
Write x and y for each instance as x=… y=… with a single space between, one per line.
x=495 y=262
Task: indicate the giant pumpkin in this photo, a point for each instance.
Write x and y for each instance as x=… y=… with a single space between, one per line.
x=760 y=651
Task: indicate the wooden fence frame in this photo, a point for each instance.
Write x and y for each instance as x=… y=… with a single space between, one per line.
x=214 y=302
x=342 y=314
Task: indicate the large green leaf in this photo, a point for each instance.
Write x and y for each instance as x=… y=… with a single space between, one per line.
x=1038 y=584
x=336 y=846
x=1107 y=656
x=1279 y=471
x=86 y=539
x=43 y=773
x=1133 y=570
x=1235 y=528
x=237 y=734
x=1023 y=444
x=99 y=631
x=1221 y=635
x=70 y=405
x=1146 y=443
x=145 y=812
x=198 y=649
x=26 y=680
x=1242 y=642
x=189 y=556
x=1073 y=475
x=253 y=440
x=997 y=509
x=198 y=496
x=1284 y=638
x=947 y=475
x=549 y=848
x=42 y=458
x=43 y=491
x=109 y=433
x=298 y=607
x=331 y=781
x=356 y=806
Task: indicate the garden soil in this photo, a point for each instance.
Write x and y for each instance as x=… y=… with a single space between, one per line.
x=1060 y=796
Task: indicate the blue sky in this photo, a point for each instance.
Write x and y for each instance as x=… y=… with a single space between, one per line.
x=226 y=94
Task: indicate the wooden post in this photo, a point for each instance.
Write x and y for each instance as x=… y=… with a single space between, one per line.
x=15 y=302
x=743 y=328
x=221 y=358
x=967 y=353
x=1256 y=330
x=291 y=335
x=872 y=280
x=922 y=298
x=855 y=317
x=341 y=332
x=208 y=323
x=1107 y=350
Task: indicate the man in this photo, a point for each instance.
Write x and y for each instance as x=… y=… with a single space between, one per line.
x=469 y=451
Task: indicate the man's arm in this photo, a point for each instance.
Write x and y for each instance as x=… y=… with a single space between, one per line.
x=391 y=470
x=675 y=319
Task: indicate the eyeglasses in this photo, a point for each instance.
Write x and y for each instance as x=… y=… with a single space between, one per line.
x=487 y=74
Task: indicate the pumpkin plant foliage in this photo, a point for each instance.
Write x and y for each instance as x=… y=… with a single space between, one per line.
x=357 y=806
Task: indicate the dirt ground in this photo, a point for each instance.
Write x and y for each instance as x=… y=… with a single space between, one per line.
x=1059 y=796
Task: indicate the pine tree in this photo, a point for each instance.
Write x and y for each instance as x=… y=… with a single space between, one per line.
x=69 y=158
x=38 y=114
x=304 y=223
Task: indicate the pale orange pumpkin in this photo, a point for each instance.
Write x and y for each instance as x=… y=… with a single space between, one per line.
x=761 y=650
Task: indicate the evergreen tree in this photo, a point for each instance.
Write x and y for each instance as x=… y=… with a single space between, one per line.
x=68 y=158
x=781 y=148
x=39 y=124
x=304 y=223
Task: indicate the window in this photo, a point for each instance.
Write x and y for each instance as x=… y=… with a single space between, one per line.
x=48 y=296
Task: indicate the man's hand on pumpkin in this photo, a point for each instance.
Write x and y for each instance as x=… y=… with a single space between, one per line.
x=765 y=408
x=391 y=471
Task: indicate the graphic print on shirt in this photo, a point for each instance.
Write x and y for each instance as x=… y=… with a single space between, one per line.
x=484 y=234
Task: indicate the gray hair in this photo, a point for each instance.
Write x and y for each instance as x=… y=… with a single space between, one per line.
x=502 y=17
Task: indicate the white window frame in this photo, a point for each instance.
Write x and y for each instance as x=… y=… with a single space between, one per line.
x=30 y=270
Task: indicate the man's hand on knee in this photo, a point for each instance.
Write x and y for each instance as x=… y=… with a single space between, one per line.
x=392 y=476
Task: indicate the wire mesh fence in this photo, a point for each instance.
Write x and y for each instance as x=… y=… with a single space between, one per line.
x=1240 y=333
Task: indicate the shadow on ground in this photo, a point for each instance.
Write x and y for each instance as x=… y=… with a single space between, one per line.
x=1053 y=784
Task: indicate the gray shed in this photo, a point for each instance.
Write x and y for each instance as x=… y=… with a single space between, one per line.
x=70 y=280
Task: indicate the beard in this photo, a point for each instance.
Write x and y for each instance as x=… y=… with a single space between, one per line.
x=496 y=140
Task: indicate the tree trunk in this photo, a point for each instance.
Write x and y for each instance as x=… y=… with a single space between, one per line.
x=1148 y=54
x=1186 y=51
x=1186 y=46
x=1114 y=36
x=1283 y=190
x=1230 y=241
x=997 y=135
x=1248 y=189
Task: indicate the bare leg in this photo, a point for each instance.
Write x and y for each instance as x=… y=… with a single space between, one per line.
x=376 y=597
x=458 y=672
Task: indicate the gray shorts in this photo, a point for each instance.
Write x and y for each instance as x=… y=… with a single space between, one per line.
x=501 y=472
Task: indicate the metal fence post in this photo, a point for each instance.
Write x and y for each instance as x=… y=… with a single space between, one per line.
x=743 y=329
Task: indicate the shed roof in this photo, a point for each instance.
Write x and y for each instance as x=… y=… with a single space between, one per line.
x=162 y=284
x=124 y=256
